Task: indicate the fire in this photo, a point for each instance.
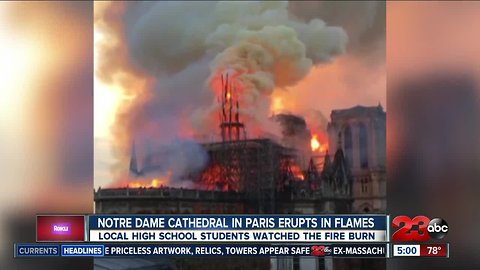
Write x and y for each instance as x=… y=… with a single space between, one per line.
x=154 y=183
x=314 y=143
x=135 y=184
x=229 y=95
x=316 y=146
x=277 y=105
x=214 y=178
x=297 y=172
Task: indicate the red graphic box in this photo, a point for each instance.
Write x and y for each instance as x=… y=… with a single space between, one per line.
x=60 y=228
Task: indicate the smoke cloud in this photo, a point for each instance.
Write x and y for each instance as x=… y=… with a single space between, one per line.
x=259 y=43
x=295 y=133
x=171 y=55
x=174 y=160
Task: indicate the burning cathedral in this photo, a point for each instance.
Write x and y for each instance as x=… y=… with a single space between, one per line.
x=243 y=175
x=267 y=176
x=234 y=157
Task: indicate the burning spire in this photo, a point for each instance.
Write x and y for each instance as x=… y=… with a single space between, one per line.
x=230 y=126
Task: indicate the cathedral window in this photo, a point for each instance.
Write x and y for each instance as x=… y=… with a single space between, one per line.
x=348 y=145
x=363 y=141
x=364 y=184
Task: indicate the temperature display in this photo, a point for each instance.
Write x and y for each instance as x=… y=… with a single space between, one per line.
x=434 y=250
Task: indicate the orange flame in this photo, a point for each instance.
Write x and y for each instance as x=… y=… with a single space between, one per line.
x=316 y=145
x=277 y=105
x=154 y=183
x=297 y=172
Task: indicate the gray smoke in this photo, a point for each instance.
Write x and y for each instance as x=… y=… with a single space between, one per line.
x=260 y=43
x=183 y=47
x=178 y=160
x=295 y=133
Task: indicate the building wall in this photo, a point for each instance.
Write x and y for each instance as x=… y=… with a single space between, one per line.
x=361 y=133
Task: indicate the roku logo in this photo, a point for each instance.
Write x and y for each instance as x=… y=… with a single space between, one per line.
x=63 y=228
x=425 y=228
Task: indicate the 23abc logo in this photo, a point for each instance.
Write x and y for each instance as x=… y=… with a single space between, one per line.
x=420 y=228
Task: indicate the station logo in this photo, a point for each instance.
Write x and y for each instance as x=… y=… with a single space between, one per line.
x=321 y=251
x=419 y=229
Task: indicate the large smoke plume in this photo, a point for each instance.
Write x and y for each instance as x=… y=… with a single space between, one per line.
x=182 y=48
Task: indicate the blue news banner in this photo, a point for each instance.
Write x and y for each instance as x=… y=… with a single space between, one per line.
x=238 y=228
x=197 y=222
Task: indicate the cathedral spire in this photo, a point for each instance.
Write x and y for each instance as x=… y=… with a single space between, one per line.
x=133 y=162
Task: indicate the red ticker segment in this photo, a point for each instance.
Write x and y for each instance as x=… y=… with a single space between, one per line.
x=434 y=250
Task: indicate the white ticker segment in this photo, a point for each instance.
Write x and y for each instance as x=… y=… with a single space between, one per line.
x=406 y=250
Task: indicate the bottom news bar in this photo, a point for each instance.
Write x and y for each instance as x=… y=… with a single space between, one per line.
x=422 y=250
x=202 y=250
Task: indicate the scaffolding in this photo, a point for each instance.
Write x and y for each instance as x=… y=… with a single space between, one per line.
x=255 y=167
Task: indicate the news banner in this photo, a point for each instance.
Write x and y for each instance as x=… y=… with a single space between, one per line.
x=347 y=236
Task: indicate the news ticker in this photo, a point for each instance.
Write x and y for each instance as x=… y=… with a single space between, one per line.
x=218 y=235
x=205 y=250
x=202 y=250
x=238 y=228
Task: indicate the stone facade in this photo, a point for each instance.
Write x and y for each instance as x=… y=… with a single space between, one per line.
x=361 y=133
